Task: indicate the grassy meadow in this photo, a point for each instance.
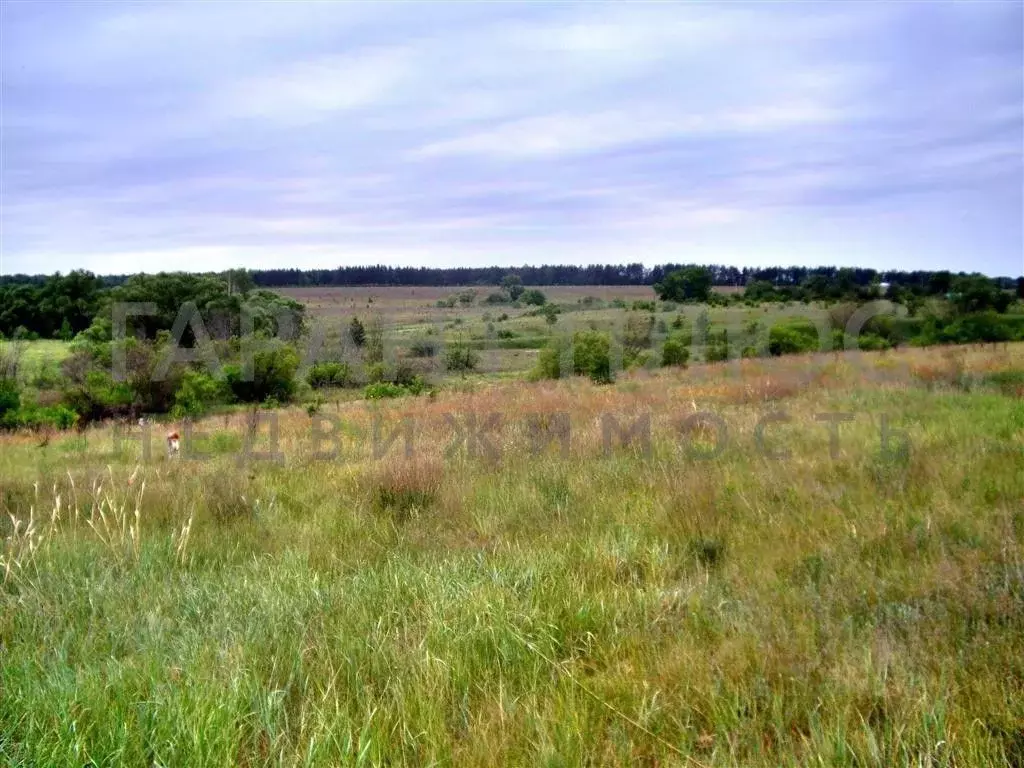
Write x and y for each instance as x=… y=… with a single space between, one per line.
x=776 y=596
x=507 y=338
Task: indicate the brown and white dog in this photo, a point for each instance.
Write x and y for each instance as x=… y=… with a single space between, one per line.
x=173 y=444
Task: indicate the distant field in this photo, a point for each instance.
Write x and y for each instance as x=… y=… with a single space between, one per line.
x=37 y=355
x=508 y=337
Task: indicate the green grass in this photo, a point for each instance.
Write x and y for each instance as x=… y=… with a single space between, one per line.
x=601 y=609
x=37 y=356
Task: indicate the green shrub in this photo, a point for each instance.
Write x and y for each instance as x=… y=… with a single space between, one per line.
x=637 y=333
x=97 y=396
x=549 y=361
x=39 y=417
x=686 y=284
x=387 y=389
x=872 y=342
x=329 y=374
x=591 y=356
x=10 y=397
x=533 y=297
x=376 y=372
x=793 y=338
x=460 y=357
x=423 y=347
x=197 y=393
x=675 y=351
x=980 y=327
x=272 y=376
x=383 y=389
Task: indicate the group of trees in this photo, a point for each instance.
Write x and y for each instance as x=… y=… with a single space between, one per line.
x=968 y=292
x=62 y=306
x=157 y=343
x=55 y=307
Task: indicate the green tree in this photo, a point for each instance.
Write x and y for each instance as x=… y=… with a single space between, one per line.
x=357 y=332
x=239 y=281
x=513 y=285
x=977 y=293
x=686 y=284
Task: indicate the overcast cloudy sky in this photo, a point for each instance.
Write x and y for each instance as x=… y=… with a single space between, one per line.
x=199 y=136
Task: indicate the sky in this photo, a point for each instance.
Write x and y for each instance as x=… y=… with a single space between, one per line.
x=201 y=136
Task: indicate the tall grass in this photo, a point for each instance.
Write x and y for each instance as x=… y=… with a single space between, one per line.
x=602 y=605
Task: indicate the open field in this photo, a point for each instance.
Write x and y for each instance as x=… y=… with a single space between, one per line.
x=850 y=604
x=509 y=336
x=38 y=357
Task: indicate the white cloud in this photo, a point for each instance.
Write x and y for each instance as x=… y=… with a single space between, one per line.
x=317 y=88
x=562 y=134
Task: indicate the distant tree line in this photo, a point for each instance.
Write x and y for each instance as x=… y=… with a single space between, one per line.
x=592 y=274
x=61 y=306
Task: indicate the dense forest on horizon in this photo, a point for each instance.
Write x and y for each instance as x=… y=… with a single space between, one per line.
x=560 y=274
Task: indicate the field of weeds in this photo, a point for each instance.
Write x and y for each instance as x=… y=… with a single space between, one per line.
x=793 y=561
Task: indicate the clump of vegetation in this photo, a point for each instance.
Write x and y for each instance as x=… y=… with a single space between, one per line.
x=460 y=357
x=793 y=337
x=423 y=347
x=687 y=284
x=197 y=394
x=550 y=360
x=357 y=332
x=636 y=339
x=676 y=351
x=405 y=488
x=513 y=286
x=533 y=297
x=329 y=374
x=591 y=356
x=272 y=376
x=383 y=390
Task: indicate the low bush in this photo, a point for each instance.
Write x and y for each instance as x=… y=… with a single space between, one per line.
x=423 y=347
x=676 y=351
x=329 y=374
x=793 y=337
x=32 y=416
x=533 y=297
x=197 y=394
x=383 y=390
x=549 y=361
x=460 y=357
